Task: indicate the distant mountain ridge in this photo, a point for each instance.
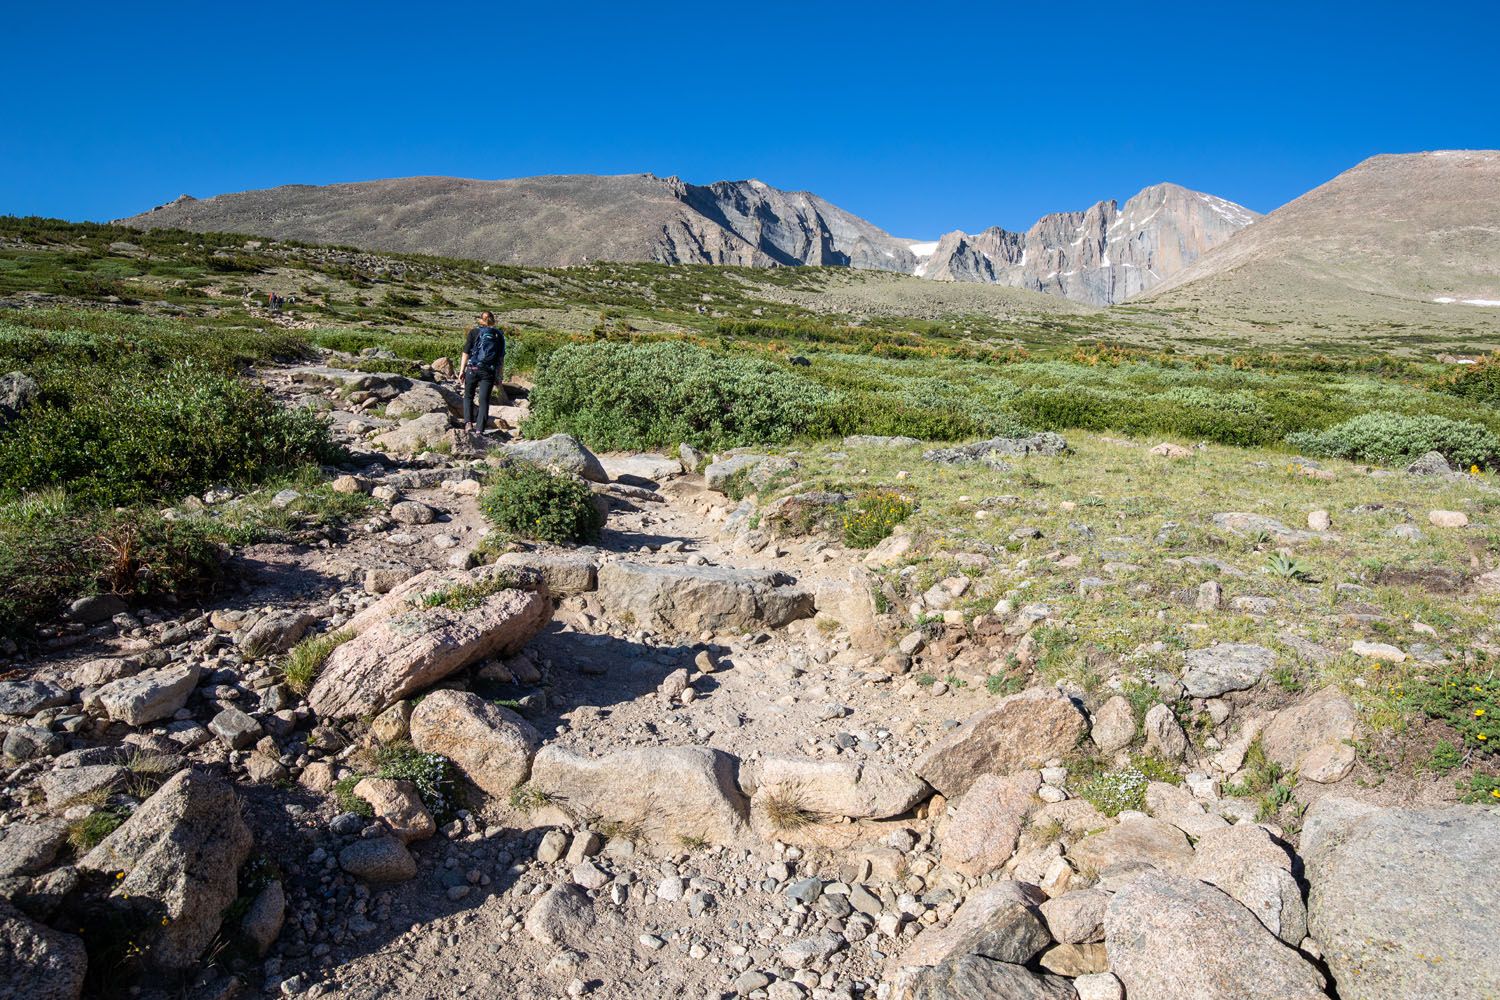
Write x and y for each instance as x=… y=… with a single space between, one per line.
x=556 y=221
x=1103 y=255
x=563 y=220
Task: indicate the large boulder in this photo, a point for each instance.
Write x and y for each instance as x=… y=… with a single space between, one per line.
x=566 y=573
x=433 y=397
x=983 y=833
x=37 y=962
x=1248 y=863
x=416 y=435
x=490 y=744
x=561 y=453
x=642 y=468
x=179 y=853
x=1175 y=938
x=831 y=788
x=276 y=632
x=1325 y=725
x=17 y=391
x=693 y=599
x=663 y=797
x=147 y=696
x=815 y=512
x=1022 y=731
x=1404 y=902
x=26 y=848
x=26 y=698
x=402 y=655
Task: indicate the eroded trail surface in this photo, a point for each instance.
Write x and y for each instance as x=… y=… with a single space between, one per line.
x=705 y=756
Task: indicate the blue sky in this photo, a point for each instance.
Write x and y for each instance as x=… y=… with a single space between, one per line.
x=920 y=117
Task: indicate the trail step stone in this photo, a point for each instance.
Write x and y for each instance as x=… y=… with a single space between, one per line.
x=694 y=599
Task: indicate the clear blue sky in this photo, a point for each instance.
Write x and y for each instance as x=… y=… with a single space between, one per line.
x=920 y=117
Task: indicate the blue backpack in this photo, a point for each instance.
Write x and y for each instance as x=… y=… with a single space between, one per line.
x=489 y=349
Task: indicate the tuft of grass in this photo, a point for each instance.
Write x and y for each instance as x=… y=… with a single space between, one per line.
x=343 y=794
x=786 y=811
x=468 y=596
x=528 y=798
x=87 y=833
x=302 y=665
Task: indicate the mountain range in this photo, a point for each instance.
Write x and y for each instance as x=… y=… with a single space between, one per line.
x=1422 y=226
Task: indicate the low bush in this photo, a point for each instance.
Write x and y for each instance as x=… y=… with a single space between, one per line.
x=51 y=552
x=1478 y=382
x=654 y=395
x=531 y=502
x=431 y=773
x=123 y=434
x=1394 y=438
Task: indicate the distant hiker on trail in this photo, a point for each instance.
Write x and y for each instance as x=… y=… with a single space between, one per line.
x=481 y=368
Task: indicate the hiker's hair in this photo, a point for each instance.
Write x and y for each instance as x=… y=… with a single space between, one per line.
x=487 y=318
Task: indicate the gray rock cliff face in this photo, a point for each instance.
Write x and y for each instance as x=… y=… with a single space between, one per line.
x=1101 y=256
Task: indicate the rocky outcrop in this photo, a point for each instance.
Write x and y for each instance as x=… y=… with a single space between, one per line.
x=1021 y=731
x=1403 y=902
x=178 y=856
x=1103 y=255
x=491 y=745
x=1174 y=938
x=694 y=599
x=401 y=655
x=664 y=797
x=833 y=788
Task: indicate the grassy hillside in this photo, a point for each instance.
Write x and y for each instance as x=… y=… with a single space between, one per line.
x=136 y=341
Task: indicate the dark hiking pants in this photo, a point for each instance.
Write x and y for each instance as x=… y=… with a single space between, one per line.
x=478 y=384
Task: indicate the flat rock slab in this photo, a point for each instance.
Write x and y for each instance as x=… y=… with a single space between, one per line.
x=662 y=797
x=1404 y=902
x=1255 y=524
x=833 y=788
x=26 y=698
x=1046 y=443
x=692 y=599
x=983 y=833
x=1021 y=731
x=1229 y=666
x=405 y=654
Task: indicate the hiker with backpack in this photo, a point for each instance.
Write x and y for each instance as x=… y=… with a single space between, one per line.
x=480 y=370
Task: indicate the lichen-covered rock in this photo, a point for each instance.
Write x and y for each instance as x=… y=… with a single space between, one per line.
x=181 y=851
x=561 y=453
x=1404 y=902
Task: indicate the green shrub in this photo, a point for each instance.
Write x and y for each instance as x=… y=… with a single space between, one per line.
x=873 y=515
x=51 y=552
x=654 y=395
x=126 y=434
x=1394 y=438
x=531 y=502
x=343 y=794
x=1478 y=382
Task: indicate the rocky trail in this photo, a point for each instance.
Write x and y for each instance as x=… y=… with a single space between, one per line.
x=700 y=757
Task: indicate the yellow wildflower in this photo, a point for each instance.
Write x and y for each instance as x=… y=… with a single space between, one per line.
x=1478 y=712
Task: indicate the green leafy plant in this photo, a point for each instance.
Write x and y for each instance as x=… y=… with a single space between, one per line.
x=431 y=773
x=1468 y=702
x=1394 y=438
x=873 y=515
x=1287 y=567
x=530 y=502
